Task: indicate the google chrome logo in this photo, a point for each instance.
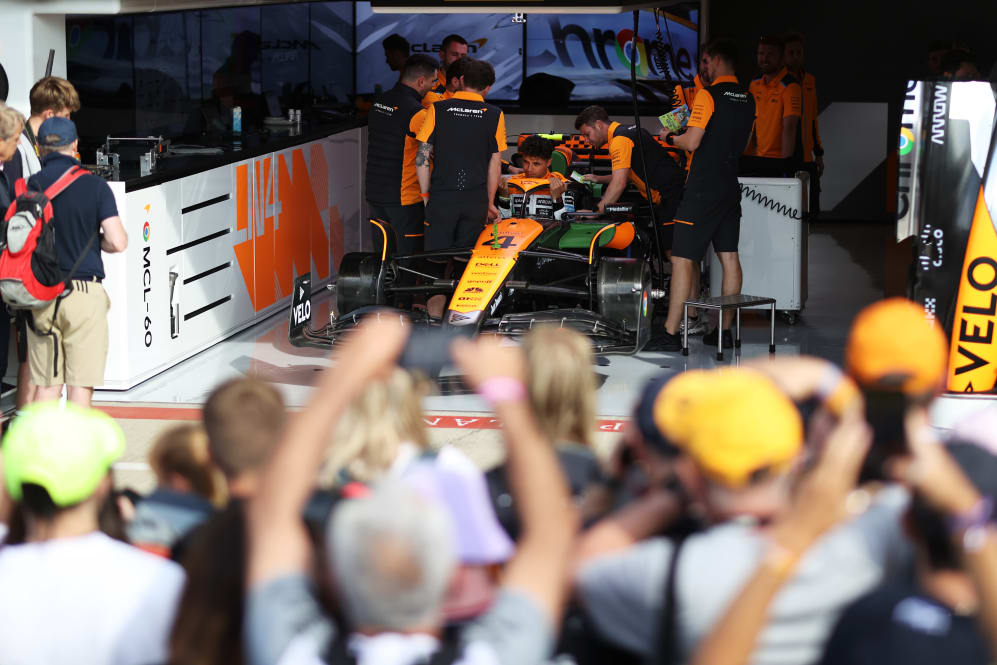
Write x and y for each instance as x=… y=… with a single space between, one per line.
x=906 y=141
x=145 y=232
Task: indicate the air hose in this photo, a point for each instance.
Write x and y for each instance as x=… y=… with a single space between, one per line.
x=634 y=54
x=663 y=63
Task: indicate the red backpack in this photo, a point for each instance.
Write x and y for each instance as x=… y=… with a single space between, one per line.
x=30 y=277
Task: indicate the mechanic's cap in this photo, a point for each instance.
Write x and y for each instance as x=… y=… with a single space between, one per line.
x=56 y=132
x=741 y=425
x=893 y=346
x=67 y=449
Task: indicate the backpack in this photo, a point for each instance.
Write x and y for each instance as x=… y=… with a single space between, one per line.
x=30 y=277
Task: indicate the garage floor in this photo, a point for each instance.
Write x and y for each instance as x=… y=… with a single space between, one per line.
x=845 y=274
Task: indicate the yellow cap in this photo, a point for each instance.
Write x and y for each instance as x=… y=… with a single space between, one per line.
x=894 y=346
x=740 y=425
x=673 y=404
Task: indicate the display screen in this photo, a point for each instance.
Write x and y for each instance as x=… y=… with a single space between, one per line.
x=593 y=52
x=167 y=74
x=332 y=50
x=491 y=37
x=285 y=50
x=100 y=63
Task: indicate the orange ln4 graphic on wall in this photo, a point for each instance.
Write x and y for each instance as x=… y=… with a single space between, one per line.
x=280 y=203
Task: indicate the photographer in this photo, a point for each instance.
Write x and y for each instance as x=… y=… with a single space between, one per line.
x=742 y=454
x=899 y=359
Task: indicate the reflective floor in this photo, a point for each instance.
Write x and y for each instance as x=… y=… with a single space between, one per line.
x=845 y=273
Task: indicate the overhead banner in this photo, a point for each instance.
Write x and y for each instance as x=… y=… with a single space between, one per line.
x=950 y=185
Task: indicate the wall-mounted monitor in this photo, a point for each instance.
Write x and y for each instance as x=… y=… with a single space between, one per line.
x=593 y=51
x=492 y=37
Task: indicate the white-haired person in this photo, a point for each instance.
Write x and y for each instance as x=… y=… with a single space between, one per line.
x=381 y=436
x=392 y=553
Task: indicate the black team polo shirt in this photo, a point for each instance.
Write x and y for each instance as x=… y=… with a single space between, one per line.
x=77 y=213
x=465 y=131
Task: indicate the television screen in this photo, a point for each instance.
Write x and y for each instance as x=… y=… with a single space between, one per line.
x=100 y=62
x=593 y=51
x=491 y=37
x=167 y=73
x=332 y=50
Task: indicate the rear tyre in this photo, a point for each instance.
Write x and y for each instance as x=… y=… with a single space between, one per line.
x=360 y=282
x=623 y=293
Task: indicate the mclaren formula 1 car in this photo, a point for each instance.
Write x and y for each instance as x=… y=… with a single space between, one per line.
x=587 y=271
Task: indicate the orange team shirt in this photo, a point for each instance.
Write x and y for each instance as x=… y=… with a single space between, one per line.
x=433 y=96
x=782 y=98
x=812 y=146
x=411 y=192
x=621 y=152
x=438 y=92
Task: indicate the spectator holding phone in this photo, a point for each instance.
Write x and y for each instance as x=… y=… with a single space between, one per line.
x=742 y=444
x=899 y=359
x=392 y=553
x=819 y=504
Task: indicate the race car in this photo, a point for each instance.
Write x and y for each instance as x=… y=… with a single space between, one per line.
x=587 y=271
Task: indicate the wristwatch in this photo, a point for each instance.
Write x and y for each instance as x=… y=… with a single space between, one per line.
x=670 y=139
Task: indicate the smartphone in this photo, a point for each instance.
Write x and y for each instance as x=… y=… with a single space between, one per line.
x=428 y=350
x=885 y=412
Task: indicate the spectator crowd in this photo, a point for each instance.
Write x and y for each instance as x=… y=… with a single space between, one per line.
x=785 y=511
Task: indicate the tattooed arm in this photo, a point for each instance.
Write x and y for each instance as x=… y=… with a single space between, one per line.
x=422 y=159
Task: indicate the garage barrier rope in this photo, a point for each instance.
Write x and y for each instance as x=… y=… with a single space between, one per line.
x=767 y=202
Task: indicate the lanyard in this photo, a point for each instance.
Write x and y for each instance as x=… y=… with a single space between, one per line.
x=31 y=138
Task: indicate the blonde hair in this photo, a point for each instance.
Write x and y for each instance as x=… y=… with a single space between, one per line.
x=183 y=451
x=560 y=383
x=11 y=122
x=387 y=414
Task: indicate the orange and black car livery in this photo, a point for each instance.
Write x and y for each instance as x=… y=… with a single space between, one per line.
x=539 y=204
x=591 y=273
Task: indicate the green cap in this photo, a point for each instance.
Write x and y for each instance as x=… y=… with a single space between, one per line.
x=67 y=449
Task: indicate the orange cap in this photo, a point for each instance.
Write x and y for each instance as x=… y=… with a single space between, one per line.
x=743 y=423
x=893 y=345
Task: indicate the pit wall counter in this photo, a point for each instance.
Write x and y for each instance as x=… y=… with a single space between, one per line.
x=212 y=252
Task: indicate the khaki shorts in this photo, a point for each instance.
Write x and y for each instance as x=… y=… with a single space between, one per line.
x=75 y=353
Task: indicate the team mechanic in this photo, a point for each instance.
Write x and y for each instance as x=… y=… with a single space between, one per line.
x=775 y=148
x=719 y=129
x=453 y=48
x=661 y=185
x=454 y=71
x=549 y=201
x=393 y=192
x=464 y=137
x=813 y=149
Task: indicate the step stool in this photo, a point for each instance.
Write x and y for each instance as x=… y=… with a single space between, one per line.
x=720 y=303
